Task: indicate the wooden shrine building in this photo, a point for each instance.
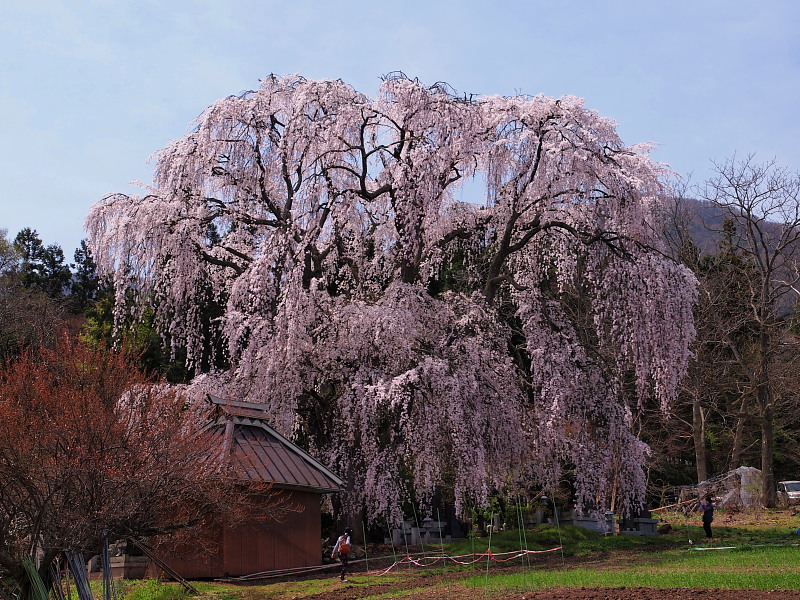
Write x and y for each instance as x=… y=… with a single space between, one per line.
x=258 y=453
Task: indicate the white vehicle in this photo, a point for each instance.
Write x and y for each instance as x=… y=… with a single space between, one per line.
x=788 y=492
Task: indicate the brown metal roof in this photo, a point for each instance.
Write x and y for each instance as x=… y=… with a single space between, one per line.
x=258 y=453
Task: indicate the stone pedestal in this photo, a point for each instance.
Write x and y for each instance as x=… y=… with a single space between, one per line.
x=601 y=524
x=641 y=526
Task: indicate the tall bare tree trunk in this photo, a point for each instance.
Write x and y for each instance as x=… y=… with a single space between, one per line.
x=699 y=435
x=768 y=491
x=764 y=393
x=738 y=435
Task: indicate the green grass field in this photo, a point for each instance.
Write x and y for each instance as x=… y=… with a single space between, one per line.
x=755 y=568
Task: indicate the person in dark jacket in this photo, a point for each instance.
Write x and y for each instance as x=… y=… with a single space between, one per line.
x=342 y=550
x=707 y=506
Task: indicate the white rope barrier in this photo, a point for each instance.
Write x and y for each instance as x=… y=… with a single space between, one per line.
x=467 y=559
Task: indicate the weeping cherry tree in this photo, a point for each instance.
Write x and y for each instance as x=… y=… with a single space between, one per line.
x=428 y=291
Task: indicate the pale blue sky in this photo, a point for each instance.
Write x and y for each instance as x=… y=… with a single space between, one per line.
x=90 y=88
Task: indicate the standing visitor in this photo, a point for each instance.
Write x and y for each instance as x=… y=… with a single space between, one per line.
x=707 y=506
x=342 y=549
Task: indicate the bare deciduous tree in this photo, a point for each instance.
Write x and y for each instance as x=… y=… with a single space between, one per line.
x=762 y=201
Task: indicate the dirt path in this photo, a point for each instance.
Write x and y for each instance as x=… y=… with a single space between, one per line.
x=651 y=594
x=353 y=591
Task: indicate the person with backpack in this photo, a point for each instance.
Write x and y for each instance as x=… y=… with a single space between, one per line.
x=707 y=508
x=342 y=549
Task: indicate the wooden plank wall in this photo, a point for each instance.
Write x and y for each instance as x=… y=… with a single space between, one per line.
x=254 y=548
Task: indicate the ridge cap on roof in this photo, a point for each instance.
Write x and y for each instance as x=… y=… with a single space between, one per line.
x=222 y=402
x=289 y=445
